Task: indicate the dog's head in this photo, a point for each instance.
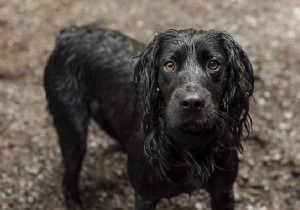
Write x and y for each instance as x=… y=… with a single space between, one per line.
x=191 y=81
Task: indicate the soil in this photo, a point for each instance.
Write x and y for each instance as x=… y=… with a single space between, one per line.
x=30 y=164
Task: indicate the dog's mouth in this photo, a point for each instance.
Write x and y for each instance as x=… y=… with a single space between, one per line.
x=191 y=127
x=194 y=126
x=190 y=134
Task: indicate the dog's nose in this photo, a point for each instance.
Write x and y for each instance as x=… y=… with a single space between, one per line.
x=192 y=101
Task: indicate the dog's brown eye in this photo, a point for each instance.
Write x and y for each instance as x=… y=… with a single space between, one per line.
x=213 y=65
x=169 y=66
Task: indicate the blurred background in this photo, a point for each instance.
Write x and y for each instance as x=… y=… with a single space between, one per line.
x=30 y=167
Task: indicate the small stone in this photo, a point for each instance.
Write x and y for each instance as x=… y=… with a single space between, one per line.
x=250 y=207
x=288 y=115
x=104 y=194
x=16 y=126
x=139 y=23
x=284 y=126
x=93 y=144
x=119 y=172
x=244 y=174
x=4 y=206
x=277 y=157
x=296 y=11
x=267 y=94
x=251 y=20
x=198 y=206
x=261 y=101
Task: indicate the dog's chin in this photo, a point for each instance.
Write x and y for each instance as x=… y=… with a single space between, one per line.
x=190 y=122
x=194 y=127
x=191 y=134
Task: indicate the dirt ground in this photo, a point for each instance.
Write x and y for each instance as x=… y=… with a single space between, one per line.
x=30 y=164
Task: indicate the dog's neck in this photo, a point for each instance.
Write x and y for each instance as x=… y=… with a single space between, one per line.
x=188 y=158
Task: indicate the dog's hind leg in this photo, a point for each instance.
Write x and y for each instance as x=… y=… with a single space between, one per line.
x=142 y=204
x=71 y=117
x=72 y=139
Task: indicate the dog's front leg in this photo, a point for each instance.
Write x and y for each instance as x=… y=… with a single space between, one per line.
x=220 y=187
x=143 y=204
x=222 y=200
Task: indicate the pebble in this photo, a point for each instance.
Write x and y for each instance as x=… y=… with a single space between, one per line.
x=288 y=115
x=284 y=126
x=252 y=20
x=139 y=23
x=17 y=126
x=261 y=101
x=296 y=11
x=4 y=206
x=199 y=206
x=250 y=207
x=267 y=94
x=277 y=157
x=93 y=144
x=244 y=174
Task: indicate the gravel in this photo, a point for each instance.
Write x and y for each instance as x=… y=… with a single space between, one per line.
x=269 y=176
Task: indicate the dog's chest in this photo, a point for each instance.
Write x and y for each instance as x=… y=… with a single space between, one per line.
x=150 y=186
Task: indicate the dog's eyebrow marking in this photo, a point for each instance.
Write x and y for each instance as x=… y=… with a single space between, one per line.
x=179 y=55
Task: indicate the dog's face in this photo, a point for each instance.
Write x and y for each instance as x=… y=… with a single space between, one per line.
x=192 y=81
x=191 y=77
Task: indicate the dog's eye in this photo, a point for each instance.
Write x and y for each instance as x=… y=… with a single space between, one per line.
x=213 y=65
x=169 y=66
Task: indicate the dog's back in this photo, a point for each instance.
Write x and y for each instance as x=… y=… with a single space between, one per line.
x=89 y=66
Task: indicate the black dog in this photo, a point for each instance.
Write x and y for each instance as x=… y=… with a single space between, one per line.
x=178 y=105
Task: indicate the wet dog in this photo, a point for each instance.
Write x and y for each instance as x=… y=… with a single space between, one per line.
x=179 y=105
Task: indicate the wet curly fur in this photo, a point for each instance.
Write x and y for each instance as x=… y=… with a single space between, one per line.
x=181 y=127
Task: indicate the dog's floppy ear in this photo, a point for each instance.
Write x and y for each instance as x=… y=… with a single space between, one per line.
x=148 y=96
x=239 y=88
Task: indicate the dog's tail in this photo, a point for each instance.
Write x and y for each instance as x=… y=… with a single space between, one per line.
x=64 y=78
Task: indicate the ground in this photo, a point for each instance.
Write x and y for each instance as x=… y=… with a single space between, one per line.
x=30 y=164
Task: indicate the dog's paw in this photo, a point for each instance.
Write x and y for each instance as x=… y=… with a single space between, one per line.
x=73 y=204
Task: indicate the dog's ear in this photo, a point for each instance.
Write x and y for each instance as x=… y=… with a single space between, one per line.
x=239 y=88
x=148 y=96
